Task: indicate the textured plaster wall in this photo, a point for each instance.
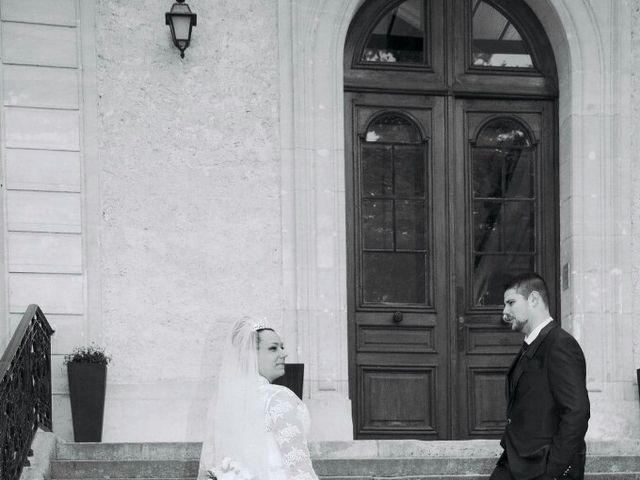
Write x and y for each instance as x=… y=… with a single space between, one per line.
x=190 y=232
x=635 y=162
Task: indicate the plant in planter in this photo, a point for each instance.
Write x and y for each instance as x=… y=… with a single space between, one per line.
x=87 y=372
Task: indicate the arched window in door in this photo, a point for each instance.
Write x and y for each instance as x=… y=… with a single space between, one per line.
x=503 y=173
x=393 y=201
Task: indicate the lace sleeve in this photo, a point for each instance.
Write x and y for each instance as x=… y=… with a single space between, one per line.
x=287 y=419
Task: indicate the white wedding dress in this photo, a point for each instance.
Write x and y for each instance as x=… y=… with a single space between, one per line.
x=287 y=424
x=255 y=430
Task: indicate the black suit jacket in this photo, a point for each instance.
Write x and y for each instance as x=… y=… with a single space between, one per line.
x=547 y=408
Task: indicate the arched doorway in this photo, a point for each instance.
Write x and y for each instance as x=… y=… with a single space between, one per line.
x=451 y=180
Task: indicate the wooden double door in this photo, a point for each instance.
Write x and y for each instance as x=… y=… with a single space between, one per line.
x=446 y=199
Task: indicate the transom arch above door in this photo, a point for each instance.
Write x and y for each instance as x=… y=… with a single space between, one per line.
x=496 y=47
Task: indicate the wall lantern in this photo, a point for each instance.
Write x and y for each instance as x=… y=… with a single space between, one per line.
x=181 y=20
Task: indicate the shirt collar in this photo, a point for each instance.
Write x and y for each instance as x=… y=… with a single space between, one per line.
x=536 y=331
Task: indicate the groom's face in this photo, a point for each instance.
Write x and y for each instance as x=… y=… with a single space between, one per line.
x=516 y=310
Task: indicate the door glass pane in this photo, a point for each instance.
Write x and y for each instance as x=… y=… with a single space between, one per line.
x=392 y=128
x=487 y=172
x=503 y=161
x=495 y=40
x=495 y=169
x=410 y=217
x=377 y=224
x=503 y=133
x=394 y=212
x=394 y=277
x=519 y=228
x=409 y=169
x=398 y=37
x=491 y=272
x=519 y=173
x=504 y=226
x=486 y=226
x=377 y=173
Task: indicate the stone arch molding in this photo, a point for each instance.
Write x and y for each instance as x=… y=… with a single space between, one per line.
x=589 y=44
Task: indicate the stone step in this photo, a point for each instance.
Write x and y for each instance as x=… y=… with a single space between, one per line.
x=588 y=476
x=84 y=469
x=359 y=460
x=128 y=451
x=447 y=448
x=405 y=449
x=402 y=467
x=419 y=477
x=613 y=476
x=418 y=467
x=612 y=463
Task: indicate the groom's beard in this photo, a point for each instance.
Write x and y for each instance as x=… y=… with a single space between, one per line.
x=516 y=324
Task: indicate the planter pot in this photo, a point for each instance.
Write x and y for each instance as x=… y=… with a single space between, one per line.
x=87 y=386
x=293 y=378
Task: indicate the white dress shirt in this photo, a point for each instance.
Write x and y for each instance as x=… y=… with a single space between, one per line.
x=536 y=331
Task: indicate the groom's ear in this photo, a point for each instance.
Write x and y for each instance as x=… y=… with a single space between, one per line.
x=534 y=298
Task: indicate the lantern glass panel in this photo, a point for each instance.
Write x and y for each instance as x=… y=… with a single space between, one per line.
x=181 y=27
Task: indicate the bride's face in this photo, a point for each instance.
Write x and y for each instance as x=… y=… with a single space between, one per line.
x=271 y=355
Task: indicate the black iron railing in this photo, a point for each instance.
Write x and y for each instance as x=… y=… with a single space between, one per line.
x=25 y=391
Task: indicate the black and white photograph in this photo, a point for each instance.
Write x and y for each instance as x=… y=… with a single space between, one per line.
x=319 y=239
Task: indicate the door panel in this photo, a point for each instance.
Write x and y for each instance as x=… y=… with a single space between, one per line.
x=398 y=268
x=443 y=209
x=399 y=400
x=485 y=401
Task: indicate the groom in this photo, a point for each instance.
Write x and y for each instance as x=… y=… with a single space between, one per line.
x=547 y=402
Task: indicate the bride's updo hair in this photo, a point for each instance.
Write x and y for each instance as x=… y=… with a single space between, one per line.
x=247 y=327
x=245 y=335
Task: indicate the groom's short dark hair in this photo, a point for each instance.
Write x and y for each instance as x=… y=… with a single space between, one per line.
x=529 y=282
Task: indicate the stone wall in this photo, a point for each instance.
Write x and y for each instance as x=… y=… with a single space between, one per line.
x=41 y=168
x=189 y=232
x=634 y=131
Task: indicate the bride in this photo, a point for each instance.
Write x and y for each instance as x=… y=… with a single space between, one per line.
x=259 y=429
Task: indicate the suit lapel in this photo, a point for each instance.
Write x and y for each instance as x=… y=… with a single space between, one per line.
x=519 y=364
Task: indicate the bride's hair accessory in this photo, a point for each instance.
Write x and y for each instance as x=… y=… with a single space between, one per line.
x=259 y=326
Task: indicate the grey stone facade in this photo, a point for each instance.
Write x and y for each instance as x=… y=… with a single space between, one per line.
x=148 y=201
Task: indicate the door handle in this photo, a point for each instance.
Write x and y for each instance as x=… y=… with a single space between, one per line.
x=397 y=317
x=461 y=334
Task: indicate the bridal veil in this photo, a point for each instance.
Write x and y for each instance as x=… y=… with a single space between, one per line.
x=237 y=426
